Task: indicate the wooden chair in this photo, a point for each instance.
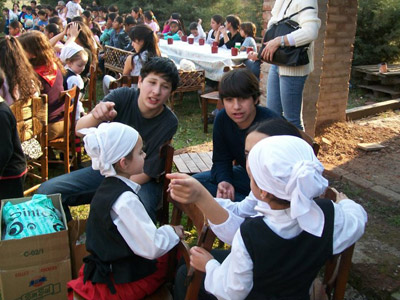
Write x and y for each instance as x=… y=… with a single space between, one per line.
x=31 y=120
x=213 y=98
x=114 y=59
x=123 y=80
x=90 y=102
x=190 y=81
x=166 y=153
x=337 y=268
x=66 y=144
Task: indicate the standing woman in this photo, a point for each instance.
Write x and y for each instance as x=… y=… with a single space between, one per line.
x=151 y=21
x=230 y=32
x=20 y=82
x=285 y=84
x=50 y=71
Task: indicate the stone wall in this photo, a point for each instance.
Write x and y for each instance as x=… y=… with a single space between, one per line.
x=326 y=91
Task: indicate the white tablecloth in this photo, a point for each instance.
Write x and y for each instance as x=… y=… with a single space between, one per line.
x=212 y=63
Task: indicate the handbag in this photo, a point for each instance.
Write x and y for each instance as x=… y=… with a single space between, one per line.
x=287 y=56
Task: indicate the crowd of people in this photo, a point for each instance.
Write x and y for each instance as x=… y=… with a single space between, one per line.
x=262 y=195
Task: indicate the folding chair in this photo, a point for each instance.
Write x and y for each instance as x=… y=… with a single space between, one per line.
x=31 y=117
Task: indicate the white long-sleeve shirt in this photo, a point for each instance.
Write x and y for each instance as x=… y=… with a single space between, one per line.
x=136 y=227
x=233 y=279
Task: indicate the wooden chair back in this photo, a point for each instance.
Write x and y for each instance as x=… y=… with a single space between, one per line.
x=189 y=81
x=124 y=80
x=31 y=118
x=91 y=100
x=337 y=268
x=114 y=59
x=66 y=144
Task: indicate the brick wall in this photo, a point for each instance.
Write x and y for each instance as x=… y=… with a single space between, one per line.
x=326 y=91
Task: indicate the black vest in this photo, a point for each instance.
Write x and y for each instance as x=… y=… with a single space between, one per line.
x=66 y=76
x=109 y=251
x=285 y=268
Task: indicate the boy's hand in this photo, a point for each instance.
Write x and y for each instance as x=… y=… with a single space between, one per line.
x=199 y=258
x=104 y=111
x=184 y=188
x=225 y=190
x=199 y=21
x=252 y=55
x=180 y=33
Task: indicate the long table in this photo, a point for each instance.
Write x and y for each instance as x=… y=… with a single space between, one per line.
x=201 y=56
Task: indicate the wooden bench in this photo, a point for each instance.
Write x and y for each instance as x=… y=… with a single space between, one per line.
x=192 y=163
x=114 y=59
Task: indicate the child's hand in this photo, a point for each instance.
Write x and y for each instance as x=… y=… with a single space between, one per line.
x=184 y=188
x=199 y=21
x=74 y=29
x=104 y=111
x=225 y=190
x=180 y=33
x=179 y=231
x=252 y=55
x=199 y=258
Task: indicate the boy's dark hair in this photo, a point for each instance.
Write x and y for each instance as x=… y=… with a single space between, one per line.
x=55 y=20
x=164 y=67
x=239 y=83
x=103 y=9
x=23 y=6
x=29 y=8
x=234 y=20
x=249 y=29
x=113 y=8
x=2 y=76
x=86 y=13
x=112 y=16
x=77 y=19
x=193 y=26
x=42 y=13
x=39 y=7
x=33 y=2
x=274 y=127
x=129 y=20
x=218 y=18
x=15 y=24
x=119 y=19
x=52 y=28
x=6 y=9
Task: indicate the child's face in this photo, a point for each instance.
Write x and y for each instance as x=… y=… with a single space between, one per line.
x=48 y=34
x=174 y=27
x=242 y=34
x=42 y=17
x=13 y=31
x=242 y=111
x=134 y=165
x=137 y=45
x=214 y=25
x=116 y=25
x=77 y=66
x=195 y=32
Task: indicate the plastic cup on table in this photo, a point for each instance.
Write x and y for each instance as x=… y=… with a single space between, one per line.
x=215 y=44
x=191 y=40
x=184 y=38
x=201 y=42
x=214 y=49
x=249 y=49
x=237 y=46
x=234 y=51
x=170 y=41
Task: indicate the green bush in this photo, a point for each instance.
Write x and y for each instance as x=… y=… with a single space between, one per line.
x=378 y=32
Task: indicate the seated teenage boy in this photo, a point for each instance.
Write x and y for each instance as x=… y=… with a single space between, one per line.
x=144 y=109
x=239 y=91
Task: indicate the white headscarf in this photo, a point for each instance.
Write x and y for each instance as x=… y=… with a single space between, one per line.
x=286 y=167
x=107 y=144
x=69 y=50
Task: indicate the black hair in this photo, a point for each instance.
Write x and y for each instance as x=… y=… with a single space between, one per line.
x=103 y=9
x=218 y=18
x=86 y=13
x=178 y=16
x=139 y=11
x=193 y=26
x=239 y=83
x=112 y=16
x=23 y=6
x=15 y=24
x=42 y=13
x=39 y=7
x=29 y=8
x=162 y=66
x=52 y=28
x=56 y=20
x=77 y=18
x=144 y=33
x=129 y=20
x=234 y=20
x=274 y=127
x=119 y=19
x=113 y=8
x=6 y=9
x=34 y=2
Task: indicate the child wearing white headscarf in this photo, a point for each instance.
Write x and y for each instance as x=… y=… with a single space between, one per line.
x=127 y=252
x=278 y=252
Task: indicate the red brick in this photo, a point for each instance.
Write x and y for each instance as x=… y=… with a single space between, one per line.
x=337 y=18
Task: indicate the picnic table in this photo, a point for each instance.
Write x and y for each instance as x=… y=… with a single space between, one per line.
x=192 y=163
x=201 y=56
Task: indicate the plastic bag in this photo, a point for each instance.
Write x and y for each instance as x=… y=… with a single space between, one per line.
x=30 y=218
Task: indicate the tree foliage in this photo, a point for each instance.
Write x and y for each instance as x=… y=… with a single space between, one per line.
x=378 y=32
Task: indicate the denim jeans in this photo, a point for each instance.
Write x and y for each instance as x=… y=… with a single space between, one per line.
x=254 y=67
x=285 y=95
x=79 y=187
x=241 y=182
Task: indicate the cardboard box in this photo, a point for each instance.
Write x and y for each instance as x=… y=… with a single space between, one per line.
x=36 y=267
x=78 y=249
